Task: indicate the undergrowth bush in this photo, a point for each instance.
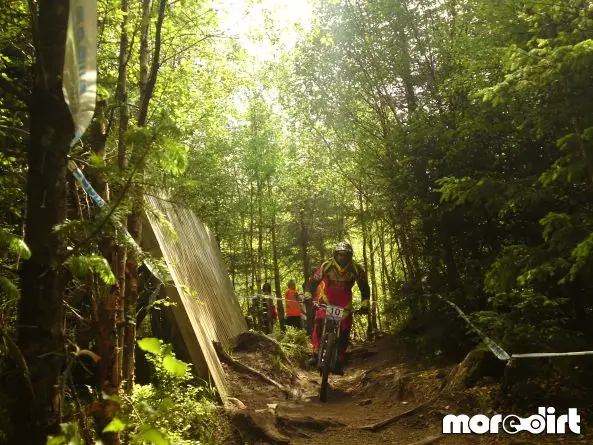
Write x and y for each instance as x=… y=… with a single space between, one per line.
x=173 y=409
x=172 y=404
x=295 y=344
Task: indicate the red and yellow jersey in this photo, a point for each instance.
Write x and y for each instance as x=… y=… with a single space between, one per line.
x=334 y=284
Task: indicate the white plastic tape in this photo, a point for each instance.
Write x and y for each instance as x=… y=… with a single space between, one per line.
x=498 y=351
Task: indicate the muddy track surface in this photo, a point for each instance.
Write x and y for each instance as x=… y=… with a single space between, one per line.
x=381 y=399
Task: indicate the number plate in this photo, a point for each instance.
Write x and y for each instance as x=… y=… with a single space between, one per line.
x=334 y=312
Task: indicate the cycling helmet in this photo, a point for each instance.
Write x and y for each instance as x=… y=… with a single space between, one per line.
x=343 y=253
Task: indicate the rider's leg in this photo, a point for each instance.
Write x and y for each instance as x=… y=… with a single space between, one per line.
x=317 y=332
x=342 y=346
x=345 y=329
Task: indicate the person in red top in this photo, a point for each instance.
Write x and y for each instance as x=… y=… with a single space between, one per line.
x=333 y=281
x=293 y=306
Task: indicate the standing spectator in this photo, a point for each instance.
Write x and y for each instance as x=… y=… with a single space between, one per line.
x=308 y=303
x=270 y=314
x=293 y=306
x=304 y=323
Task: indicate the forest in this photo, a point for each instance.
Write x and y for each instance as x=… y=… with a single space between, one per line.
x=450 y=141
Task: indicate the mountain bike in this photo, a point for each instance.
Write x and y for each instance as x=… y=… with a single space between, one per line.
x=328 y=344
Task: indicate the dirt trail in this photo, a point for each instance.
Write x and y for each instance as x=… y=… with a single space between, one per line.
x=378 y=384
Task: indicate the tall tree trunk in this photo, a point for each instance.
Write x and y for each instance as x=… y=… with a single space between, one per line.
x=106 y=302
x=364 y=231
x=40 y=329
x=255 y=286
x=374 y=299
x=144 y=56
x=277 y=284
x=147 y=84
x=363 y=227
x=260 y=231
x=304 y=243
x=400 y=22
x=386 y=280
x=119 y=257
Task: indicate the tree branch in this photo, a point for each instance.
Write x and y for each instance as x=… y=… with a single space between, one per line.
x=156 y=63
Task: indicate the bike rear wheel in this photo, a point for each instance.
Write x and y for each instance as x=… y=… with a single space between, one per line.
x=326 y=365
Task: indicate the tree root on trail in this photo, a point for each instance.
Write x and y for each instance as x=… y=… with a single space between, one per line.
x=428 y=440
x=238 y=366
x=258 y=426
x=444 y=387
x=290 y=421
x=362 y=352
x=384 y=423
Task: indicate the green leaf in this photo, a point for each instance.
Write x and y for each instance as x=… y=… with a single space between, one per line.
x=55 y=440
x=19 y=247
x=174 y=366
x=154 y=436
x=15 y=244
x=9 y=287
x=70 y=435
x=96 y=161
x=115 y=426
x=150 y=344
x=581 y=254
x=82 y=266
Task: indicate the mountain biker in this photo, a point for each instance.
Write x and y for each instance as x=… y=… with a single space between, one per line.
x=333 y=281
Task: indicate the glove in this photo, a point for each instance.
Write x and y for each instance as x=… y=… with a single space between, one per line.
x=308 y=296
x=364 y=307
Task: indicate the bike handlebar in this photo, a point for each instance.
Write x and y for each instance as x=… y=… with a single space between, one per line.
x=318 y=305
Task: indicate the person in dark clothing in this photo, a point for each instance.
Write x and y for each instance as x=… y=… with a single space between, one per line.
x=269 y=311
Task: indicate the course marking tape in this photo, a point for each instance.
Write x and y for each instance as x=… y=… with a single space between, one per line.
x=497 y=350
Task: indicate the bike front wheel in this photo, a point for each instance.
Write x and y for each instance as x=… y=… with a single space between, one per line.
x=326 y=365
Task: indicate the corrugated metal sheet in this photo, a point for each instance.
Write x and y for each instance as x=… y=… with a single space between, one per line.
x=207 y=308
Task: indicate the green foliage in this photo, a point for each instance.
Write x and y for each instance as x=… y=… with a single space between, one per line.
x=82 y=266
x=172 y=409
x=150 y=344
x=70 y=435
x=8 y=288
x=295 y=344
x=14 y=244
x=527 y=321
x=453 y=140
x=582 y=255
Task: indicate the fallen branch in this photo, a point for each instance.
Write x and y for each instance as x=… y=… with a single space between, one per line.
x=238 y=366
x=384 y=423
x=428 y=440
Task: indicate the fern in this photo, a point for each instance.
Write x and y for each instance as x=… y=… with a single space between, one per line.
x=581 y=254
x=82 y=266
x=14 y=244
x=8 y=288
